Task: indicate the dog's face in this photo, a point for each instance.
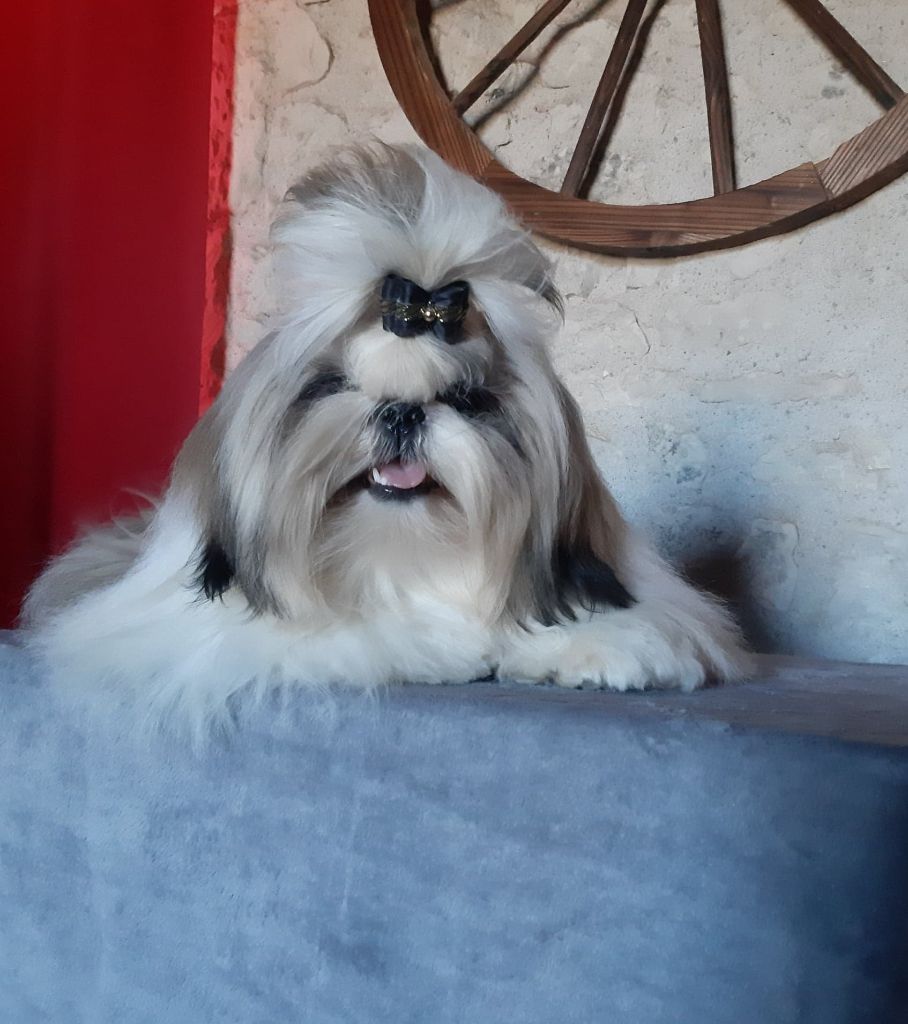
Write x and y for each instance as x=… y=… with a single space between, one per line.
x=412 y=463
x=345 y=465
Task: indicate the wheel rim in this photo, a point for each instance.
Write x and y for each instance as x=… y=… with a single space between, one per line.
x=861 y=165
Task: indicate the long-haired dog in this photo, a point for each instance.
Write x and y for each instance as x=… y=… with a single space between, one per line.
x=392 y=486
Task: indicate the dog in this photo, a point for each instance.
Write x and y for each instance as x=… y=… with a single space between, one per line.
x=393 y=486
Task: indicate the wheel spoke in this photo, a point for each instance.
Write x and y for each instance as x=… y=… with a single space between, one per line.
x=849 y=51
x=507 y=55
x=718 y=101
x=605 y=93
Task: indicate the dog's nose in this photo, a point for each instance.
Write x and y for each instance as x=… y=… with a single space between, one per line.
x=402 y=418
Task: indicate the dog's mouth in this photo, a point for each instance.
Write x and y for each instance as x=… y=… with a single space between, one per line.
x=399 y=481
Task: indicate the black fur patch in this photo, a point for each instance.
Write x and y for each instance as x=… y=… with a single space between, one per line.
x=583 y=579
x=322 y=385
x=215 y=571
x=470 y=401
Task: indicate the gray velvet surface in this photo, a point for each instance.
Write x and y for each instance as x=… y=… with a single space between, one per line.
x=441 y=856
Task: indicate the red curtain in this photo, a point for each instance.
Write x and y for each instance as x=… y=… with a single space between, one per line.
x=115 y=164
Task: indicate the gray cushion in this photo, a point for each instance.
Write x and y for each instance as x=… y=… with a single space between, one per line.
x=486 y=854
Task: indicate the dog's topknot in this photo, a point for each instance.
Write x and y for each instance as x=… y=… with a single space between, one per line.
x=374 y=211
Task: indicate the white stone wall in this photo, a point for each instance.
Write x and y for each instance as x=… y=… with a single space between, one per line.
x=747 y=407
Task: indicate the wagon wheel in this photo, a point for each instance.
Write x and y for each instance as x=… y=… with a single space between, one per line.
x=866 y=162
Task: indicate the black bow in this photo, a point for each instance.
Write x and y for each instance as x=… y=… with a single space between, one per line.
x=408 y=310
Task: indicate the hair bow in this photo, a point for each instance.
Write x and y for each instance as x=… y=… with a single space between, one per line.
x=408 y=310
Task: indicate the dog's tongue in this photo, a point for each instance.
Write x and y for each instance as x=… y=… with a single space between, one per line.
x=402 y=475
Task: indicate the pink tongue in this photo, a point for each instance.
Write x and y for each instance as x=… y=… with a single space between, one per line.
x=404 y=475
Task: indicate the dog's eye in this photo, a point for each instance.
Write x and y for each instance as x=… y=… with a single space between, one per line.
x=470 y=401
x=323 y=385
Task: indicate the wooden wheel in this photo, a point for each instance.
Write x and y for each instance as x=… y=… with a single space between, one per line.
x=866 y=162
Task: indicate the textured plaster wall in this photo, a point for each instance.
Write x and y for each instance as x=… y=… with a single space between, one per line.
x=747 y=407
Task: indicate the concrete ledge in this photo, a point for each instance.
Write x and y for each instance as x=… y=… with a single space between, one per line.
x=477 y=854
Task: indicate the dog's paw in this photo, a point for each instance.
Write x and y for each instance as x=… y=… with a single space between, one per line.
x=594 y=655
x=587 y=663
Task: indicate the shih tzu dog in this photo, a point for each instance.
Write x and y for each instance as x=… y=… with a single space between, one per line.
x=393 y=486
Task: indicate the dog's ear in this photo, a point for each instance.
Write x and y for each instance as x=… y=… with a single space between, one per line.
x=217 y=564
x=574 y=563
x=590 y=528
x=194 y=479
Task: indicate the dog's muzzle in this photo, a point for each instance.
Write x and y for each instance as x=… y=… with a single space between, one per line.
x=400 y=475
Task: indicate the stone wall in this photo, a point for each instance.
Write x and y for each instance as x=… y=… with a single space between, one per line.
x=747 y=407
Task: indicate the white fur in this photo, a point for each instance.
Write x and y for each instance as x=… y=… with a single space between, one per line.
x=331 y=585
